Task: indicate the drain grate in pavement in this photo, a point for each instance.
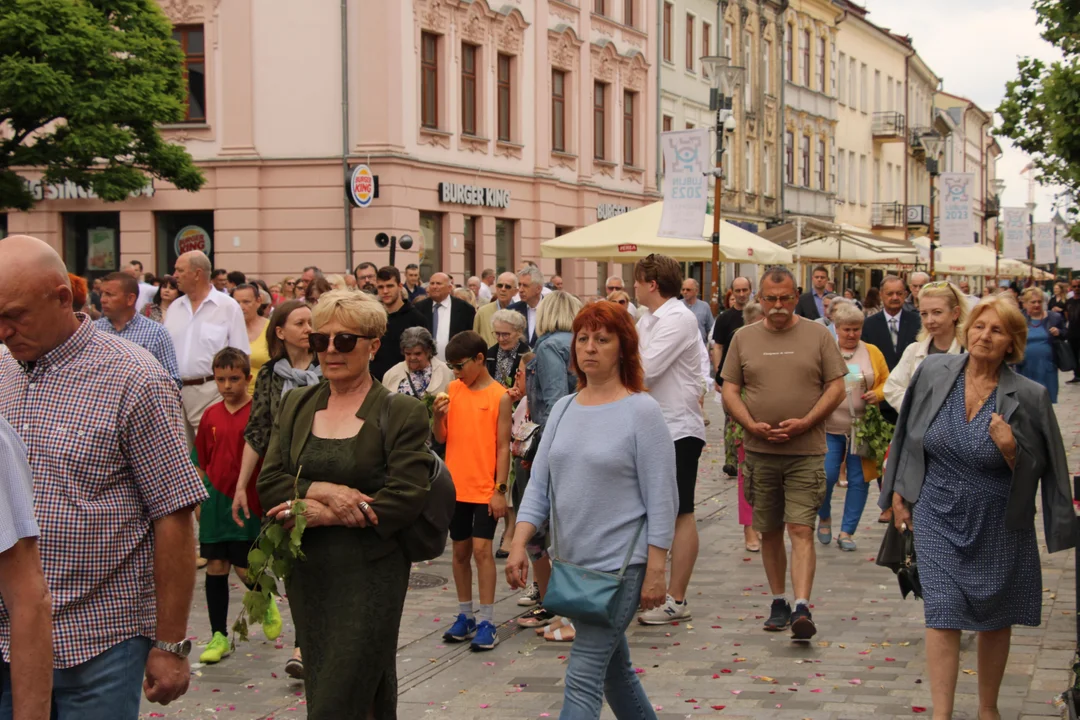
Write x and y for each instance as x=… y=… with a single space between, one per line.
x=425 y=581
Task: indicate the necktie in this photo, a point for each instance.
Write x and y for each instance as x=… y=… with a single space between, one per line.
x=435 y=321
x=894 y=331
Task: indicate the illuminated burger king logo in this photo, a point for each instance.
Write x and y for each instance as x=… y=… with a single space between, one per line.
x=191 y=238
x=362 y=186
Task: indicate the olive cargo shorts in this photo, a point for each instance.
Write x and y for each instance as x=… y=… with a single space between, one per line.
x=784 y=489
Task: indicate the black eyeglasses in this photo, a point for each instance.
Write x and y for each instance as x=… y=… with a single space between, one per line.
x=459 y=365
x=343 y=342
x=613 y=288
x=773 y=299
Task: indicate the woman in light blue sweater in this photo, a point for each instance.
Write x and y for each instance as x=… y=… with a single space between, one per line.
x=610 y=458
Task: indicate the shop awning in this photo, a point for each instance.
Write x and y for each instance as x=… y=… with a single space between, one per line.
x=1009 y=268
x=814 y=241
x=967 y=260
x=632 y=236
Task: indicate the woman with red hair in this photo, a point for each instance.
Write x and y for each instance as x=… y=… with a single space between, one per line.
x=605 y=475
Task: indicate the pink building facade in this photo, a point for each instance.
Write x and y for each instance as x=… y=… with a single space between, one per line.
x=491 y=128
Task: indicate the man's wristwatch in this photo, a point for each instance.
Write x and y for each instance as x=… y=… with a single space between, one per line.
x=500 y=488
x=182 y=648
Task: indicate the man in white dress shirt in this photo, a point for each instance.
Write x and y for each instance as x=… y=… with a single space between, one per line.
x=202 y=322
x=676 y=367
x=146 y=290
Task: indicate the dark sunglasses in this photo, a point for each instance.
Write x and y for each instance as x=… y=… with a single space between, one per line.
x=343 y=342
x=504 y=286
x=459 y=365
x=612 y=288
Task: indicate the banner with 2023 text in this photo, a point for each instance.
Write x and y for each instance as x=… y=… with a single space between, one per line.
x=957 y=226
x=686 y=187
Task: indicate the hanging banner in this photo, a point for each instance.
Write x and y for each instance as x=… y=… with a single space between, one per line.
x=1066 y=253
x=957 y=228
x=1044 y=244
x=686 y=187
x=1015 y=243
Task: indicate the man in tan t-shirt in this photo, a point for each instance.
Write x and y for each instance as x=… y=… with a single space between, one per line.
x=792 y=375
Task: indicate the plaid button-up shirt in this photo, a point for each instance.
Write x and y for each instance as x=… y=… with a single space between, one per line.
x=150 y=335
x=103 y=432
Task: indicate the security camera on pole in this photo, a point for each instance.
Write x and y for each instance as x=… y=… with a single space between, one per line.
x=726 y=79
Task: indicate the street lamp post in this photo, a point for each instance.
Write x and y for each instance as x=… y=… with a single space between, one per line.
x=1031 y=240
x=998 y=187
x=933 y=144
x=725 y=79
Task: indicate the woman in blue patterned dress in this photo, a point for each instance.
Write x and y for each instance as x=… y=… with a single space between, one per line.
x=972 y=443
x=1042 y=327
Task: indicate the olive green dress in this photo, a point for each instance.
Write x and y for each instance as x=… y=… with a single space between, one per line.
x=348 y=594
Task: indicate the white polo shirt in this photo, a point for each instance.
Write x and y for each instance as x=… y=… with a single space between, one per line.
x=216 y=325
x=672 y=356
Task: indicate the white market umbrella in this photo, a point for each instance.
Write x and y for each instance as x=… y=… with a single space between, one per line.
x=632 y=236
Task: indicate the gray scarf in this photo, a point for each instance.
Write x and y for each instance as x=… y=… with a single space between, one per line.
x=295 y=378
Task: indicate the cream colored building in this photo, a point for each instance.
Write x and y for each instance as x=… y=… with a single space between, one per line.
x=746 y=33
x=871 y=133
x=970 y=148
x=922 y=118
x=808 y=144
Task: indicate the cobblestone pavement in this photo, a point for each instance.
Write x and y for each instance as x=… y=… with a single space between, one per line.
x=867 y=660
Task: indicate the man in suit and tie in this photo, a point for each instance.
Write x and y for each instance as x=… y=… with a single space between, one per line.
x=530 y=288
x=445 y=314
x=892 y=329
x=812 y=304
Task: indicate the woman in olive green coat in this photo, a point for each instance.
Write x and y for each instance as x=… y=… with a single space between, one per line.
x=362 y=484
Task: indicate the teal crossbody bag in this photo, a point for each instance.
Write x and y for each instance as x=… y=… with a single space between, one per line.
x=581 y=593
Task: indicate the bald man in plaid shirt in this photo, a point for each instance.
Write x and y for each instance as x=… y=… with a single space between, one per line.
x=114 y=493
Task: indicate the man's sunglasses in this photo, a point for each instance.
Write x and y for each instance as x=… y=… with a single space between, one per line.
x=613 y=288
x=343 y=342
x=505 y=286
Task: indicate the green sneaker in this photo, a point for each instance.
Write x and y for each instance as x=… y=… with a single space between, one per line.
x=272 y=621
x=219 y=648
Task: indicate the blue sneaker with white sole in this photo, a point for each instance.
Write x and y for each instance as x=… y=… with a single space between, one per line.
x=486 y=637
x=463 y=629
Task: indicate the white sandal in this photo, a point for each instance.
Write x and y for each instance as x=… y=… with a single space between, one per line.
x=565 y=633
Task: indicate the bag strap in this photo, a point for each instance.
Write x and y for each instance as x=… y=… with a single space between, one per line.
x=554 y=521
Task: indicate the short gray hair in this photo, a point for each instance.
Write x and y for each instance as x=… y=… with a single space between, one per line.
x=778 y=274
x=534 y=274
x=418 y=337
x=752 y=313
x=512 y=318
x=845 y=313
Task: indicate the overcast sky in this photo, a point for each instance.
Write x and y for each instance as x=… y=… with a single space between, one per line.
x=974 y=45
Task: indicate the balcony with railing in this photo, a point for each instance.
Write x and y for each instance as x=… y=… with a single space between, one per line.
x=807 y=201
x=918 y=215
x=889 y=127
x=887 y=215
x=992 y=207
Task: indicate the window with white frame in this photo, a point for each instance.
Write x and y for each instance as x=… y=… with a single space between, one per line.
x=877 y=180
x=819 y=180
x=766 y=161
x=862 y=179
x=864 y=87
x=841 y=92
x=853 y=178
x=728 y=29
x=841 y=161
x=766 y=66
x=877 y=91
x=748 y=72
x=750 y=169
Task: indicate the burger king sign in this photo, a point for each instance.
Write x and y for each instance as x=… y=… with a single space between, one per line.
x=192 y=237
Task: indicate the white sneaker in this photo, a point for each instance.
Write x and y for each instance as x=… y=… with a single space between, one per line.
x=669 y=612
x=531 y=596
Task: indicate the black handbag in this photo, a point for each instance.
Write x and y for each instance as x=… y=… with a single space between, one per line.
x=1063 y=355
x=897 y=552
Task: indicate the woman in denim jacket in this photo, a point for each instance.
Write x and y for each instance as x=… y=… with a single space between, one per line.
x=548 y=378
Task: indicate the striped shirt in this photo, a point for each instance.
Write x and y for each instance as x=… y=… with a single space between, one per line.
x=150 y=335
x=103 y=432
x=16 y=490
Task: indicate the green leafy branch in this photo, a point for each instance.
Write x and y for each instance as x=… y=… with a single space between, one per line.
x=874 y=431
x=271 y=559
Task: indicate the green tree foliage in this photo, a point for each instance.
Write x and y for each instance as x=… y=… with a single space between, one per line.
x=84 y=85
x=1041 y=109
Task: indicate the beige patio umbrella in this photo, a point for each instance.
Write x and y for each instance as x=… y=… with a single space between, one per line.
x=632 y=236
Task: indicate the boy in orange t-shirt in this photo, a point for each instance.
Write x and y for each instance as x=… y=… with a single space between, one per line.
x=473 y=419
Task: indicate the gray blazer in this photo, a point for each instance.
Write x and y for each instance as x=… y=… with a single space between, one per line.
x=1040 y=453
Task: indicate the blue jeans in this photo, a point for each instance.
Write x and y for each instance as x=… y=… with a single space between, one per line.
x=857 y=488
x=601 y=652
x=105 y=687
